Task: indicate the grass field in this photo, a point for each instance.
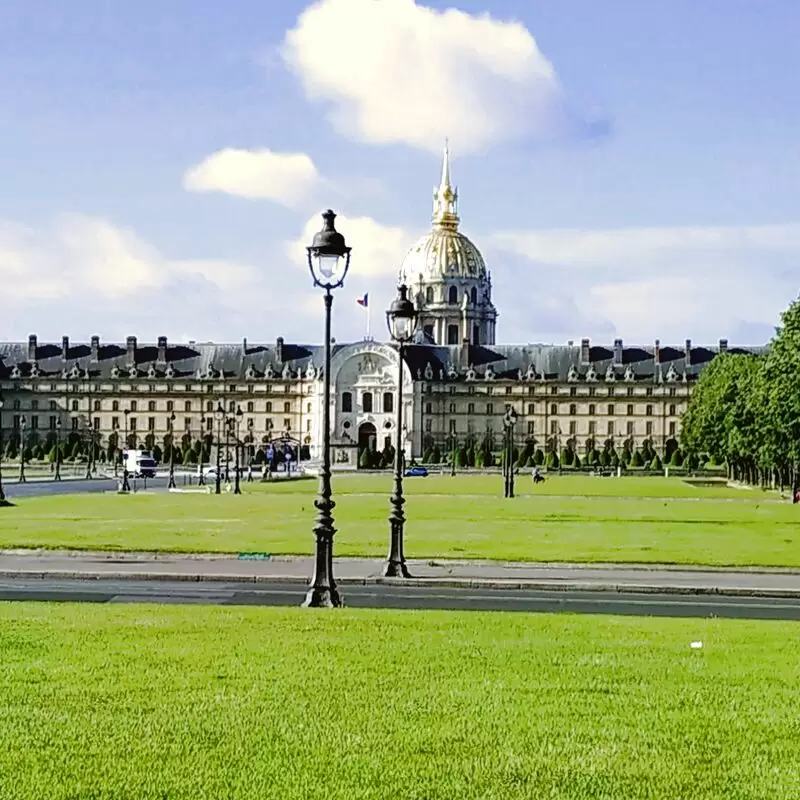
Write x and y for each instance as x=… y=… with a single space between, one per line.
x=146 y=702
x=572 y=519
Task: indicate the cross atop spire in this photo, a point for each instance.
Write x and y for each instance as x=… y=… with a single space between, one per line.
x=445 y=197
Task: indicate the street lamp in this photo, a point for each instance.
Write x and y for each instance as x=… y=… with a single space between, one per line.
x=237 y=489
x=126 y=487
x=58 y=450
x=328 y=260
x=509 y=420
x=171 y=482
x=219 y=415
x=402 y=321
x=200 y=478
x=3 y=501
x=22 y=424
x=454 y=441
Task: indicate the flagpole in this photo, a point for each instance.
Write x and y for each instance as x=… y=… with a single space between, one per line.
x=368 y=311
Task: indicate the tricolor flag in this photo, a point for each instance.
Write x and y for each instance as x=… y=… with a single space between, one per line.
x=364 y=301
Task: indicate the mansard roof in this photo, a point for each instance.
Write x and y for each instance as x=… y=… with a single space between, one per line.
x=251 y=361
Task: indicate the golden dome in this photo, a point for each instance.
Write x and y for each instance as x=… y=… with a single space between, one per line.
x=444 y=252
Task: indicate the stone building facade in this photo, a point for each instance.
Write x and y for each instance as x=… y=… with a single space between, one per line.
x=457 y=381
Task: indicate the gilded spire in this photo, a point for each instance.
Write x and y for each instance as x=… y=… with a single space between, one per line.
x=445 y=198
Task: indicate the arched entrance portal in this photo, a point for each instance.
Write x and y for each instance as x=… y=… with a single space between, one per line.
x=367 y=439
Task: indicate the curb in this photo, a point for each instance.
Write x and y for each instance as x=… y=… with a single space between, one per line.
x=451 y=583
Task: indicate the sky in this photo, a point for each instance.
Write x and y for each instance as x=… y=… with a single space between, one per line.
x=628 y=170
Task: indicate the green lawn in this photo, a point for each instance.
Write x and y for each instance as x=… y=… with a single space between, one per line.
x=659 y=521
x=147 y=702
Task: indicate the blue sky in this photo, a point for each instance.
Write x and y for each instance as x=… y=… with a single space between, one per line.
x=636 y=177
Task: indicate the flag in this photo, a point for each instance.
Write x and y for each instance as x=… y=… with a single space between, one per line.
x=364 y=301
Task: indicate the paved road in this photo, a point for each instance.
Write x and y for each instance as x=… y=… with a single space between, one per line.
x=40 y=488
x=398 y=597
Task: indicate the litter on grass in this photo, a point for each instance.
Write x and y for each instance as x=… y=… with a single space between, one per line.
x=696 y=645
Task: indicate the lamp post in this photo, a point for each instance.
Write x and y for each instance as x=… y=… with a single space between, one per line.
x=126 y=487
x=171 y=482
x=58 y=450
x=454 y=441
x=90 y=459
x=509 y=420
x=22 y=424
x=328 y=260
x=200 y=477
x=3 y=501
x=237 y=489
x=219 y=415
x=402 y=321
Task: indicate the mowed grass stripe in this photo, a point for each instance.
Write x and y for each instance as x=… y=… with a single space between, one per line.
x=274 y=519
x=149 y=702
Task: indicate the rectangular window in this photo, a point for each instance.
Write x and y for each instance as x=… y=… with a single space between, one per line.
x=34 y=405
x=531 y=408
x=630 y=391
x=508 y=390
x=96 y=405
x=553 y=426
x=133 y=405
x=649 y=428
x=471 y=408
x=573 y=409
x=554 y=390
x=629 y=427
x=268 y=409
x=388 y=402
x=630 y=409
x=489 y=390
x=52 y=423
x=672 y=409
x=114 y=423
x=209 y=423
x=672 y=391
x=649 y=411
x=672 y=429
x=610 y=429
x=308 y=425
x=553 y=408
x=428 y=425
x=573 y=427
x=452 y=426
x=170 y=406
x=428 y=408
x=452 y=408
x=531 y=427
x=151 y=423
x=287 y=423
x=490 y=408
x=592 y=427
x=187 y=406
x=287 y=407
x=187 y=423
x=53 y=405
x=308 y=408
x=573 y=390
x=131 y=423
x=592 y=391
x=531 y=390
x=34 y=423
x=74 y=423
x=610 y=409
x=74 y=405
x=366 y=402
x=649 y=391
x=151 y=405
x=96 y=423
x=592 y=409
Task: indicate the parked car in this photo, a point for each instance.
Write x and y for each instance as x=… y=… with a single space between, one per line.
x=416 y=472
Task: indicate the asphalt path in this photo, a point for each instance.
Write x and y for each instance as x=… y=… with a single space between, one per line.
x=399 y=597
x=42 y=488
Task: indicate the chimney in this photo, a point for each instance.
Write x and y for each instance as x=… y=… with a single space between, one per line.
x=687 y=358
x=244 y=345
x=162 y=349
x=584 y=351
x=657 y=352
x=279 y=349
x=617 y=352
x=32 y=341
x=723 y=345
x=65 y=347
x=95 y=348
x=131 y=349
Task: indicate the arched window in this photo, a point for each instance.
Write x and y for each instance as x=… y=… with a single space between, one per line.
x=452 y=334
x=347 y=402
x=452 y=295
x=367 y=402
x=473 y=296
x=429 y=294
x=388 y=402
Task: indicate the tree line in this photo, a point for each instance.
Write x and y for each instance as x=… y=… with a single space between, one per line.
x=745 y=410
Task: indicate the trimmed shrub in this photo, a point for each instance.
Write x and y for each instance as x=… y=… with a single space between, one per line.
x=656 y=464
x=551 y=460
x=676 y=459
x=637 y=460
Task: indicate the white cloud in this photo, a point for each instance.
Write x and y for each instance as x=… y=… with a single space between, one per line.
x=398 y=72
x=83 y=275
x=377 y=249
x=670 y=283
x=286 y=178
